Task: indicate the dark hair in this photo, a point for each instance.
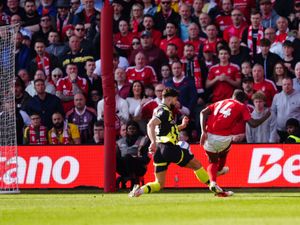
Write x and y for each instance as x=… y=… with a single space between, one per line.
x=99 y=123
x=292 y=122
x=38 y=80
x=239 y=95
x=265 y=42
x=170 y=92
x=131 y=89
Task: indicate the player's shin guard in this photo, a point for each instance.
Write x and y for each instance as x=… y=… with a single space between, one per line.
x=151 y=187
x=202 y=175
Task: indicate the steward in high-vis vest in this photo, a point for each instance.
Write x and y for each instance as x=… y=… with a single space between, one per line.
x=163 y=133
x=293 y=130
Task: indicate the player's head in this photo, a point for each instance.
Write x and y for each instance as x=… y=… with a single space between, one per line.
x=239 y=95
x=292 y=125
x=170 y=96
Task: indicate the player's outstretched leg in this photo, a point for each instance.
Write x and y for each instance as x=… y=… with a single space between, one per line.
x=146 y=189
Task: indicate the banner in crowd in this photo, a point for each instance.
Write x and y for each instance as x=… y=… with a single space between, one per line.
x=263 y=165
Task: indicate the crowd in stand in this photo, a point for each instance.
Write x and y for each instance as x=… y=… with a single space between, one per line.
x=203 y=49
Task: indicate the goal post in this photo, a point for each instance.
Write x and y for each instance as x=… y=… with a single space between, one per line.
x=8 y=137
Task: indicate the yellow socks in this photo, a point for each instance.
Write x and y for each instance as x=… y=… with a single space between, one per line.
x=151 y=187
x=202 y=175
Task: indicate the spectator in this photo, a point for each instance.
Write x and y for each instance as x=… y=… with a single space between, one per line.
x=39 y=74
x=122 y=82
x=13 y=7
x=172 y=53
x=266 y=58
x=82 y=116
x=44 y=30
x=17 y=21
x=212 y=40
x=293 y=131
x=285 y=105
x=94 y=82
x=25 y=77
x=80 y=32
x=197 y=8
x=279 y=73
x=246 y=69
x=141 y=71
x=288 y=58
x=135 y=97
x=35 y=133
x=171 y=37
x=193 y=36
x=56 y=74
x=136 y=18
x=55 y=47
x=276 y=47
x=63 y=132
x=166 y=73
x=132 y=154
x=75 y=4
x=265 y=132
x=121 y=107
x=47 y=7
x=98 y=133
x=32 y=18
x=254 y=33
x=247 y=86
x=186 y=88
x=192 y=69
x=237 y=28
x=4 y=17
x=64 y=16
x=164 y=15
x=21 y=96
x=224 y=77
x=204 y=21
x=88 y=15
x=185 y=20
x=223 y=19
x=94 y=99
x=70 y=85
x=76 y=55
x=269 y=15
x=296 y=80
x=238 y=53
x=22 y=53
x=149 y=7
x=118 y=14
x=136 y=43
x=245 y=7
x=282 y=30
x=43 y=103
x=261 y=84
x=43 y=60
x=67 y=32
x=156 y=56
x=148 y=24
x=123 y=39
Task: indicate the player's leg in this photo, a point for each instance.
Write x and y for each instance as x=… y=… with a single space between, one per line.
x=222 y=169
x=199 y=171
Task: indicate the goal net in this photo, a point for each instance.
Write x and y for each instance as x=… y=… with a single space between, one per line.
x=8 y=139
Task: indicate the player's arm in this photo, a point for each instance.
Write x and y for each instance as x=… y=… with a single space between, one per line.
x=184 y=123
x=203 y=118
x=154 y=121
x=256 y=122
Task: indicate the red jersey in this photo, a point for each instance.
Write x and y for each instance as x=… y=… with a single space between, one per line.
x=245 y=6
x=268 y=88
x=222 y=89
x=224 y=115
x=212 y=45
x=234 y=31
x=146 y=75
x=174 y=40
x=123 y=42
x=223 y=21
x=195 y=43
x=65 y=86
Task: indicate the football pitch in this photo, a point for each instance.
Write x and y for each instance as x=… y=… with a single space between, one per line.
x=171 y=207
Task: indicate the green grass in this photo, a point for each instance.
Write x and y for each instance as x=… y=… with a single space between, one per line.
x=172 y=207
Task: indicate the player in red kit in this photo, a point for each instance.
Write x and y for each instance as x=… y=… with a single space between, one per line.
x=217 y=123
